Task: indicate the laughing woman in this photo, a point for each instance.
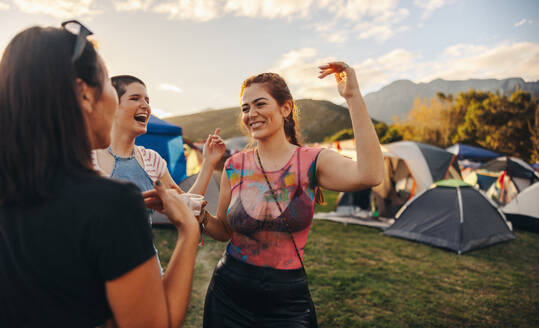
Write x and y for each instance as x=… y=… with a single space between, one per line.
x=123 y=160
x=266 y=204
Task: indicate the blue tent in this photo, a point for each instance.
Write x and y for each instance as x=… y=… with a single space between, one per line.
x=472 y=153
x=166 y=139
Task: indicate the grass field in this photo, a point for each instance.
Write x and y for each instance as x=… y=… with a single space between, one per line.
x=361 y=278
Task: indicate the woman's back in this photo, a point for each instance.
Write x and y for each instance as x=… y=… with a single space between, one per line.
x=56 y=255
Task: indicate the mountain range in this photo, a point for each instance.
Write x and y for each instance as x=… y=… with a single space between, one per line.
x=397 y=98
x=319 y=119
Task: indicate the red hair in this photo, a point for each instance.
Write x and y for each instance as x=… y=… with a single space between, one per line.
x=276 y=86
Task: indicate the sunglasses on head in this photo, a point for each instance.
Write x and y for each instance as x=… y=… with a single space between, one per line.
x=82 y=32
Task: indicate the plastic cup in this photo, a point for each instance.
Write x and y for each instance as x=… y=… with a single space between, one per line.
x=193 y=201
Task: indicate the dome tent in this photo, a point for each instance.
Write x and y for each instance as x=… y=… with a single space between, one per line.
x=523 y=210
x=452 y=215
x=520 y=174
x=410 y=168
x=472 y=153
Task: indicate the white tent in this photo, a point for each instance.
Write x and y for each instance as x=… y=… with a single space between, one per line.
x=523 y=210
x=410 y=168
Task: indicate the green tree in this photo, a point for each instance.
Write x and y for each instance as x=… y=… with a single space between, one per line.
x=393 y=134
x=381 y=129
x=343 y=134
x=505 y=124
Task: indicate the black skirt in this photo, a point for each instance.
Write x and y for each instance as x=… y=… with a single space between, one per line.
x=245 y=295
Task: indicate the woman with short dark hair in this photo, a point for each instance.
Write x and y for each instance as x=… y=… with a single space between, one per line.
x=75 y=248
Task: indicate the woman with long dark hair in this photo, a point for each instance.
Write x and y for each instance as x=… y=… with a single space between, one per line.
x=75 y=248
x=266 y=204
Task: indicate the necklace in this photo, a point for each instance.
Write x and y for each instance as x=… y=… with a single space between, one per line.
x=120 y=157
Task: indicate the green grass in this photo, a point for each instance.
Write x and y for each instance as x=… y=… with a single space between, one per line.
x=361 y=278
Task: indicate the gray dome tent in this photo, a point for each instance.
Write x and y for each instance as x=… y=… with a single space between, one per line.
x=452 y=215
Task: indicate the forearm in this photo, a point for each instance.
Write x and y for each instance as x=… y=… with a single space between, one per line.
x=179 y=275
x=203 y=179
x=369 y=155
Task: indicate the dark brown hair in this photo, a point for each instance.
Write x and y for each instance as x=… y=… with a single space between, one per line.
x=42 y=127
x=276 y=86
x=120 y=83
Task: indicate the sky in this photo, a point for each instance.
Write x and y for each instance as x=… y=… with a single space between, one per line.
x=194 y=54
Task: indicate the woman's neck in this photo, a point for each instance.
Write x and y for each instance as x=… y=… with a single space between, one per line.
x=275 y=149
x=122 y=144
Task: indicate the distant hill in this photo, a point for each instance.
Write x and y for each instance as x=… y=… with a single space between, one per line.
x=397 y=98
x=317 y=120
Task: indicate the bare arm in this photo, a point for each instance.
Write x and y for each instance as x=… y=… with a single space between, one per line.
x=367 y=171
x=140 y=298
x=217 y=226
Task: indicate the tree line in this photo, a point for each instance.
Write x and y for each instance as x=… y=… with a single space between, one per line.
x=507 y=124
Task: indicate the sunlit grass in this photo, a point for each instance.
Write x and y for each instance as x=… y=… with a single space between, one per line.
x=361 y=278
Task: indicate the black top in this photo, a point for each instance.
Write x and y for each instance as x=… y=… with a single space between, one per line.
x=56 y=256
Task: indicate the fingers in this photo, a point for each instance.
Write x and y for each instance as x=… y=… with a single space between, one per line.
x=171 y=205
x=217 y=131
x=324 y=73
x=332 y=67
x=154 y=203
x=214 y=140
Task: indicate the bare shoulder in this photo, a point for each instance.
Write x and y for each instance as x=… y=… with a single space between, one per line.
x=104 y=161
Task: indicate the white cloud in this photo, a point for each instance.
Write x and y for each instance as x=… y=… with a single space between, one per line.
x=378 y=17
x=161 y=113
x=429 y=6
x=501 y=61
x=355 y=10
x=269 y=9
x=461 y=49
x=205 y=10
x=4 y=6
x=169 y=87
x=457 y=62
x=132 y=5
x=59 y=9
x=339 y=37
x=196 y=10
x=300 y=70
x=523 y=21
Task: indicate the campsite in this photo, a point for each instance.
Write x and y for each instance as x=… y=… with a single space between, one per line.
x=435 y=245
x=449 y=238
x=361 y=278
x=269 y=163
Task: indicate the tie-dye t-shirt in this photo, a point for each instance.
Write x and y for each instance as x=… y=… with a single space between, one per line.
x=259 y=236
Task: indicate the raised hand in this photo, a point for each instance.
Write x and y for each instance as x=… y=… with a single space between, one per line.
x=345 y=76
x=214 y=148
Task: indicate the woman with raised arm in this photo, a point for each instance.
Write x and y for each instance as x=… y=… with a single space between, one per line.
x=266 y=204
x=75 y=248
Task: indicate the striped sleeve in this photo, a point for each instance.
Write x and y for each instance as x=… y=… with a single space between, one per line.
x=154 y=164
